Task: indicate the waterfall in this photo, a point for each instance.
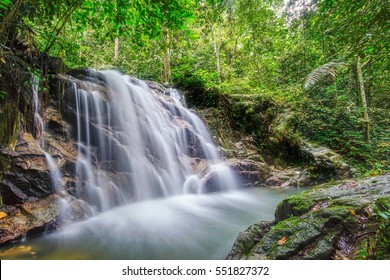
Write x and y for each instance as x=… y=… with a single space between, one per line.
x=55 y=173
x=38 y=122
x=136 y=144
x=145 y=168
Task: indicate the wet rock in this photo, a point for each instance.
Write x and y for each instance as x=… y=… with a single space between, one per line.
x=31 y=216
x=333 y=221
x=156 y=87
x=194 y=146
x=27 y=195
x=199 y=165
x=84 y=74
x=11 y=194
x=24 y=171
x=247 y=239
x=250 y=172
x=284 y=178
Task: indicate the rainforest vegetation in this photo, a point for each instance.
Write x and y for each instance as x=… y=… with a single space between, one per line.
x=282 y=73
x=328 y=61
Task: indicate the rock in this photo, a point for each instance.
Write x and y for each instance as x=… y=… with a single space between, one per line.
x=11 y=194
x=321 y=164
x=325 y=164
x=247 y=239
x=26 y=192
x=26 y=168
x=9 y=124
x=284 y=178
x=156 y=87
x=194 y=148
x=334 y=221
x=291 y=177
x=31 y=216
x=251 y=173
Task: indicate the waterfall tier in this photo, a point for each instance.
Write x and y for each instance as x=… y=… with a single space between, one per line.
x=137 y=144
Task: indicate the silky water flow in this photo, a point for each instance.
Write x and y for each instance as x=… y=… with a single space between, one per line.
x=152 y=176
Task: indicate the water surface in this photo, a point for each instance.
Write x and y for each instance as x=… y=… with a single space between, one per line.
x=179 y=227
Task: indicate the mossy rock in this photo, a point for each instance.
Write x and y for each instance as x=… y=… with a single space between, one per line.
x=287 y=238
x=294 y=206
x=329 y=222
x=246 y=240
x=9 y=125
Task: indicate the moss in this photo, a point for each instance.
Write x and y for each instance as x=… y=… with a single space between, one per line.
x=320 y=250
x=9 y=125
x=294 y=206
x=335 y=211
x=332 y=222
x=352 y=202
x=296 y=231
x=301 y=205
x=383 y=202
x=330 y=184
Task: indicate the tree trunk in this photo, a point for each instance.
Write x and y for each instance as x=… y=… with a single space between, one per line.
x=116 y=49
x=9 y=24
x=167 y=65
x=215 y=46
x=364 y=100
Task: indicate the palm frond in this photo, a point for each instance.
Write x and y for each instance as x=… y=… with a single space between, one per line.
x=328 y=70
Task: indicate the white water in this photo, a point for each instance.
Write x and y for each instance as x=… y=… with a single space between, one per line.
x=146 y=140
x=146 y=166
x=55 y=173
x=191 y=226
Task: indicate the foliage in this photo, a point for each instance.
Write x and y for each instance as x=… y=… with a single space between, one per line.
x=382 y=246
x=323 y=72
x=3 y=5
x=254 y=52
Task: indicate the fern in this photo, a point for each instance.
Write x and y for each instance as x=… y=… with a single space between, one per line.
x=328 y=70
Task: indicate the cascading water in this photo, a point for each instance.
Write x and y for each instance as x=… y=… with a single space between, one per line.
x=55 y=173
x=150 y=172
x=148 y=140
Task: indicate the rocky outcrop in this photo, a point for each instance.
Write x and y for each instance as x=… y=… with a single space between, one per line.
x=318 y=164
x=335 y=221
x=251 y=173
x=324 y=164
x=28 y=201
x=265 y=149
x=28 y=217
x=25 y=172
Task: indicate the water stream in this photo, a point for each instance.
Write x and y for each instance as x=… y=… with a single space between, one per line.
x=135 y=144
x=55 y=173
x=152 y=177
x=179 y=227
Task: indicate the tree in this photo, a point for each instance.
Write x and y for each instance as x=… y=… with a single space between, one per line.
x=364 y=99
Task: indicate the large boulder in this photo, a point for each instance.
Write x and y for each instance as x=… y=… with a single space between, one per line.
x=335 y=221
x=324 y=164
x=318 y=164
